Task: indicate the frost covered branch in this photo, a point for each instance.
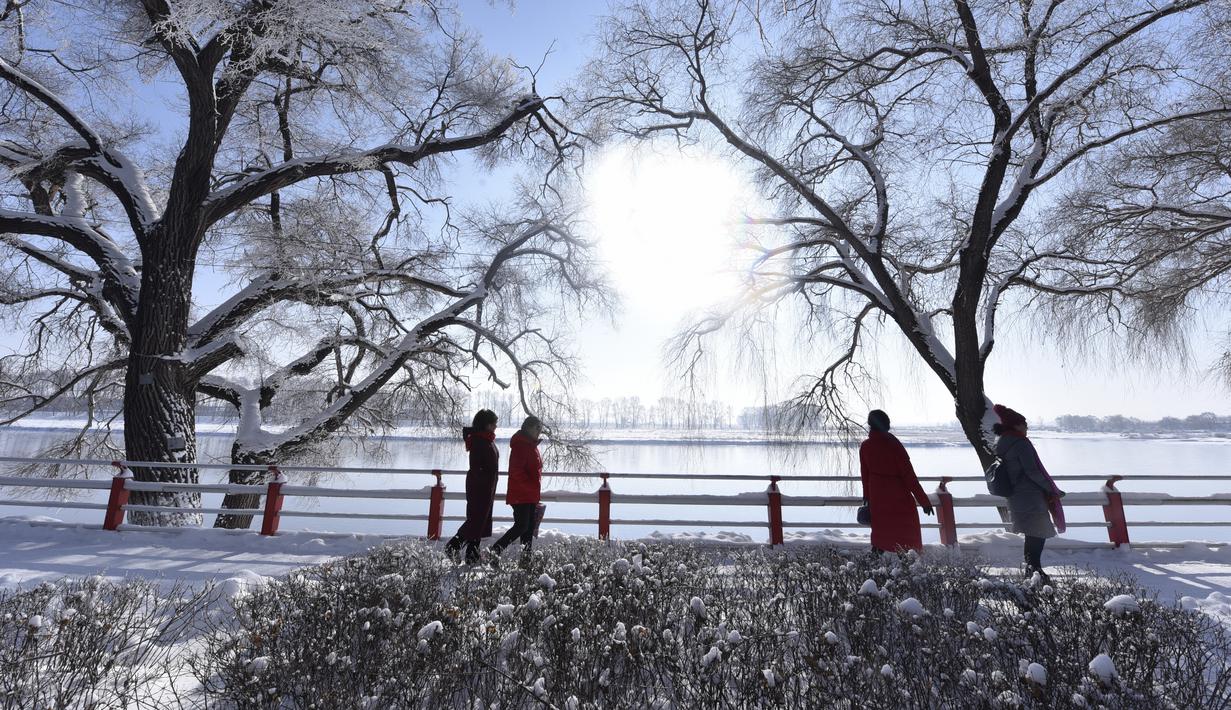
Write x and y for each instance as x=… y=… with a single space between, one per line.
x=310 y=173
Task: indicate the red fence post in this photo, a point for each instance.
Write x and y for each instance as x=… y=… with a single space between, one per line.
x=944 y=514
x=273 y=502
x=436 y=508
x=604 y=510
x=118 y=498
x=775 y=511
x=1117 y=526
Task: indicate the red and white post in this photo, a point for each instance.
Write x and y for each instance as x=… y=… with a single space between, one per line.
x=1113 y=511
x=774 y=497
x=273 y=502
x=604 y=510
x=436 y=508
x=118 y=497
x=944 y=513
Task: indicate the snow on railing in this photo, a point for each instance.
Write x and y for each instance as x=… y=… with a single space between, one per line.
x=276 y=491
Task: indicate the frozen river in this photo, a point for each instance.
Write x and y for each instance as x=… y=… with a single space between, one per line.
x=935 y=453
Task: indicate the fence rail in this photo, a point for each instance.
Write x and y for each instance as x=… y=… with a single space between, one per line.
x=276 y=491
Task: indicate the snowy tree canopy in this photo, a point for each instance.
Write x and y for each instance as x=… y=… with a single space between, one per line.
x=308 y=154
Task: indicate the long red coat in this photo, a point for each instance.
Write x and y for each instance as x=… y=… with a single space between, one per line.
x=525 y=470
x=891 y=489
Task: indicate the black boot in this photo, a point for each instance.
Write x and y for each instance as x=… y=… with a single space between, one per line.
x=453 y=549
x=472 y=552
x=1031 y=570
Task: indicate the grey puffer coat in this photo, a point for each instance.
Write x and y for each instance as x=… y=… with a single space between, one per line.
x=1028 y=504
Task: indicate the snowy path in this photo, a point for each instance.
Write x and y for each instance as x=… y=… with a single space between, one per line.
x=36 y=550
x=39 y=549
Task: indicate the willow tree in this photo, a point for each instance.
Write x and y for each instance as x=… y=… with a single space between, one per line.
x=155 y=150
x=1163 y=205
x=908 y=151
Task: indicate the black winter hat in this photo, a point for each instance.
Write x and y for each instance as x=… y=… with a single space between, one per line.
x=878 y=420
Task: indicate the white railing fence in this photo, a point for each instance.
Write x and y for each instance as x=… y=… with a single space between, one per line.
x=276 y=491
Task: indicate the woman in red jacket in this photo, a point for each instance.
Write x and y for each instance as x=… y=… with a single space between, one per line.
x=525 y=476
x=480 y=440
x=890 y=488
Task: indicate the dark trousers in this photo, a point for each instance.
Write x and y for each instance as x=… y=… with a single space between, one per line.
x=1034 y=551
x=523 y=527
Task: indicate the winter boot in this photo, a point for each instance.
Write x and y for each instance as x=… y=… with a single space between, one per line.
x=1031 y=571
x=494 y=554
x=472 y=552
x=453 y=549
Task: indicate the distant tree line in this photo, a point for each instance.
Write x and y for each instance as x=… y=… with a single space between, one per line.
x=1206 y=421
x=670 y=413
x=625 y=412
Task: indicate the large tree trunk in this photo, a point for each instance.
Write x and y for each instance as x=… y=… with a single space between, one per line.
x=160 y=425
x=242 y=500
x=160 y=392
x=969 y=396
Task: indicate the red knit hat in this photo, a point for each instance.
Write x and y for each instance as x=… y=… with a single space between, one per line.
x=1008 y=417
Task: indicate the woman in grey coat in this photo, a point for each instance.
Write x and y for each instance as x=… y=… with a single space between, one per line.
x=1035 y=499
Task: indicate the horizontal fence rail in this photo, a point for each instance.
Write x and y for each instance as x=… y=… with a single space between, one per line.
x=277 y=490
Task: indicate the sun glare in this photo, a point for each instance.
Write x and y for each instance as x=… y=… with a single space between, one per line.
x=667 y=223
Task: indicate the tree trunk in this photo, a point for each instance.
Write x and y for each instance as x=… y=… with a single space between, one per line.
x=160 y=425
x=159 y=391
x=245 y=501
x=969 y=397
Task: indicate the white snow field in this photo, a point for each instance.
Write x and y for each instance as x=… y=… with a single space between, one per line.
x=1196 y=575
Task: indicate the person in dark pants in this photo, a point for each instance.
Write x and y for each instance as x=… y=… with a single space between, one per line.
x=480 y=440
x=1035 y=501
x=890 y=488
x=525 y=478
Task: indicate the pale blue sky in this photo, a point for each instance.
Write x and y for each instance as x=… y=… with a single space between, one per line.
x=663 y=224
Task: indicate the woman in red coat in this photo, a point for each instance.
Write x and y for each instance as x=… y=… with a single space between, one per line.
x=480 y=440
x=525 y=477
x=890 y=488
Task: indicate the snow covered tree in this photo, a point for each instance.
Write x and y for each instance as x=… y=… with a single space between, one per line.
x=387 y=341
x=307 y=151
x=910 y=152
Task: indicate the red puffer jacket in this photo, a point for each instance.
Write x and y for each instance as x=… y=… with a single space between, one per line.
x=525 y=470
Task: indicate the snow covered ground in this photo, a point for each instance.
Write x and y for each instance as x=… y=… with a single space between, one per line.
x=36 y=549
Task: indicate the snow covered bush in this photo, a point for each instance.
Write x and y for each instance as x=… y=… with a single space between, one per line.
x=678 y=626
x=687 y=626
x=96 y=644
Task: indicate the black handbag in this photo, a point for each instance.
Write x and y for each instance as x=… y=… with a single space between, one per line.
x=863 y=515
